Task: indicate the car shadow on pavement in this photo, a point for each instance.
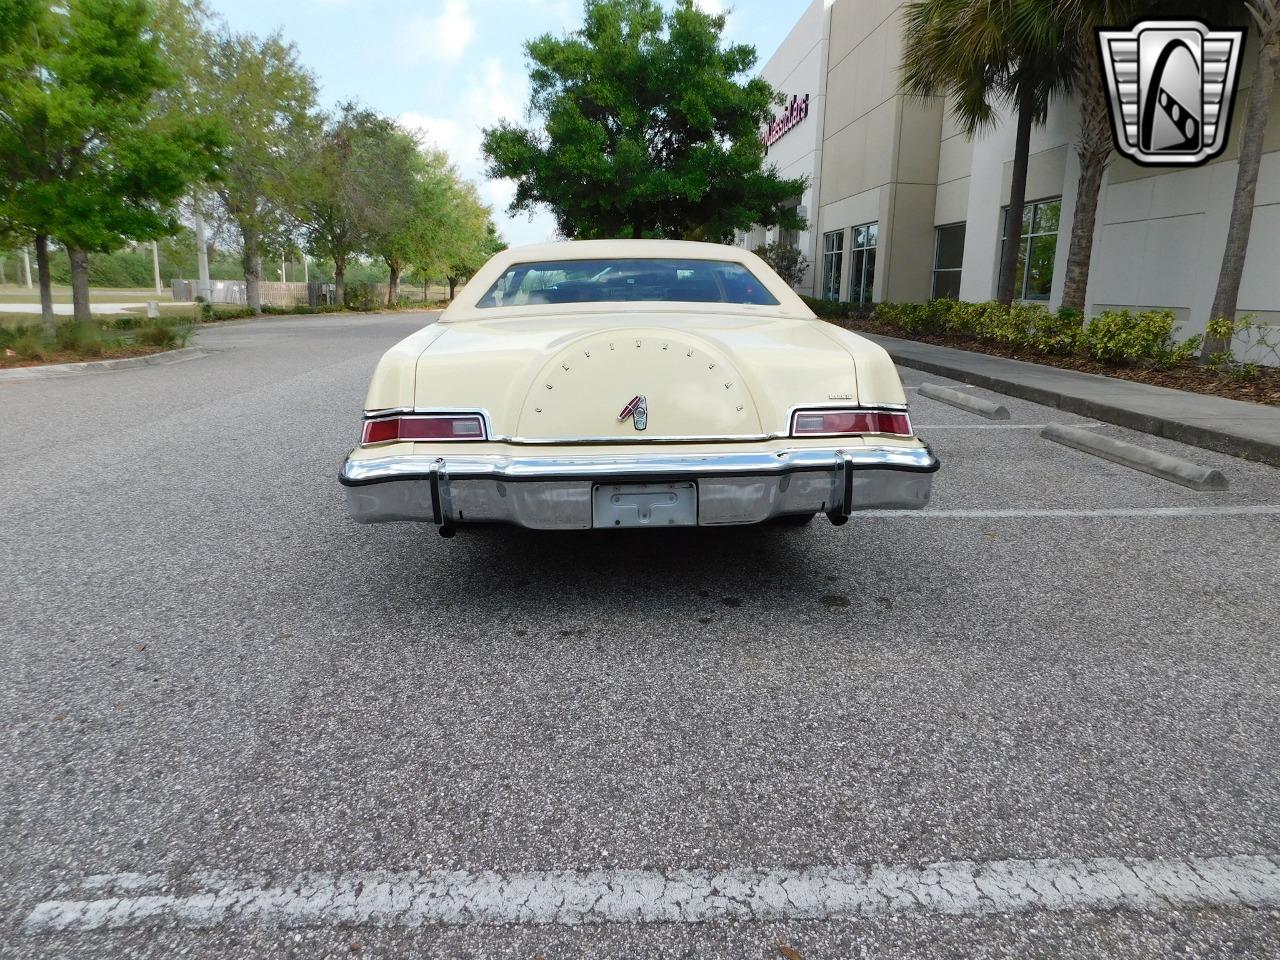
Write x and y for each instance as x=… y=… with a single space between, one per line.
x=645 y=571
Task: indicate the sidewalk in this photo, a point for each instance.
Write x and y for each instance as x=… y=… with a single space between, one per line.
x=1249 y=430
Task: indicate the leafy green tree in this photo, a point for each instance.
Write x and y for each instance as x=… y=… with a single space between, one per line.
x=345 y=183
x=84 y=157
x=476 y=241
x=266 y=101
x=981 y=55
x=786 y=260
x=651 y=129
x=418 y=219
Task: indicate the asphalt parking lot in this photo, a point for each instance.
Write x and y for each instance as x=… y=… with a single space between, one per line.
x=213 y=679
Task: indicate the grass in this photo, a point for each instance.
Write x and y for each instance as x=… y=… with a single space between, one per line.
x=15 y=293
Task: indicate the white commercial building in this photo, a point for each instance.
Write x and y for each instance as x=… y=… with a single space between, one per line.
x=904 y=207
x=798 y=71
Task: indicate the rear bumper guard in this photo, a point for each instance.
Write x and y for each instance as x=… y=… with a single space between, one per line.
x=555 y=493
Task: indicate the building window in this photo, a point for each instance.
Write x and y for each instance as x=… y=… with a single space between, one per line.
x=1034 y=280
x=832 y=264
x=948 y=253
x=864 y=262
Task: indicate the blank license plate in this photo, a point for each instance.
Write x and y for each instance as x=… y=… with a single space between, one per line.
x=644 y=505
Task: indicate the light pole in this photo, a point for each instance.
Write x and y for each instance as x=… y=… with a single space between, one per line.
x=155 y=263
x=26 y=268
x=203 y=287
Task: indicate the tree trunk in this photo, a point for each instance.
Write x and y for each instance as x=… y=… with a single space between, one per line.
x=340 y=279
x=1224 y=301
x=453 y=283
x=80 y=284
x=1094 y=150
x=393 y=285
x=46 y=283
x=251 y=260
x=1017 y=200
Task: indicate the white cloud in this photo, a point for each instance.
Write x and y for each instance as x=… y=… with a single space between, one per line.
x=444 y=37
x=489 y=94
x=567 y=15
x=713 y=7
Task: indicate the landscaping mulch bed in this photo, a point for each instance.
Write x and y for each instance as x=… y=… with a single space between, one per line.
x=1264 y=388
x=67 y=356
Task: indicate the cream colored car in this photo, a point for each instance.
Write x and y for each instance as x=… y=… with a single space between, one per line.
x=632 y=383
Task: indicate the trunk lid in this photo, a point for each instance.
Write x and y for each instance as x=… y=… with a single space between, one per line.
x=702 y=376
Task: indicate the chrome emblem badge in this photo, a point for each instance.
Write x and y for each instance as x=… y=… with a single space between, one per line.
x=637 y=409
x=1172 y=84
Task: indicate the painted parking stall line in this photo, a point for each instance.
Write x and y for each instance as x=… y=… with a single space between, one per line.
x=685 y=896
x=1067 y=513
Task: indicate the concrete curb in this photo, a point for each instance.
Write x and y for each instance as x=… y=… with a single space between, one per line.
x=983 y=408
x=264 y=317
x=1197 y=431
x=1137 y=458
x=53 y=371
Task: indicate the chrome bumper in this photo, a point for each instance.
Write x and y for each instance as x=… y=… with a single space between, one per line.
x=555 y=493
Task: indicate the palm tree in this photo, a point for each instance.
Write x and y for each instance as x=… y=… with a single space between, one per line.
x=1266 y=13
x=982 y=54
x=1077 y=22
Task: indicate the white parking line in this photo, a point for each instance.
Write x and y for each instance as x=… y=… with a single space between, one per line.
x=930 y=427
x=685 y=896
x=1242 y=510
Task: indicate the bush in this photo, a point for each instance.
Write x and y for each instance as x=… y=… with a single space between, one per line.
x=838 y=310
x=163 y=333
x=301 y=310
x=30 y=346
x=221 y=312
x=1056 y=333
x=84 y=339
x=1114 y=336
x=361 y=296
x=787 y=261
x=1120 y=336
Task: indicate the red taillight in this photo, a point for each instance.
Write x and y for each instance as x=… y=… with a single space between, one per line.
x=826 y=423
x=435 y=427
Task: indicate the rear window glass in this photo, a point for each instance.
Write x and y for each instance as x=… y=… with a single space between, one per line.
x=627 y=281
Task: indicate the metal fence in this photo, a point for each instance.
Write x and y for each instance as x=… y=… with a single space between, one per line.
x=314 y=294
x=272 y=292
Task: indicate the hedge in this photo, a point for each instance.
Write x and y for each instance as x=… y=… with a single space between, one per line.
x=1113 y=336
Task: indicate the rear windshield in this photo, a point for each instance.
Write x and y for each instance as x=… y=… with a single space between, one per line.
x=627 y=281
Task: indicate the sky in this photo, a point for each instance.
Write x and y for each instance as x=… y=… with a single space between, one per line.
x=449 y=68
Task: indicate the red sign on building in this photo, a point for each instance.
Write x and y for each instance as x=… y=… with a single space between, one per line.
x=794 y=115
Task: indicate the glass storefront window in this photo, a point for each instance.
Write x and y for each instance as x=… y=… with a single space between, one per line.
x=1039 y=247
x=832 y=263
x=864 y=262
x=948 y=254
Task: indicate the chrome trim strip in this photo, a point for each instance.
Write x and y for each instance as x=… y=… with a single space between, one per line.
x=500 y=467
x=493 y=437
x=632 y=440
